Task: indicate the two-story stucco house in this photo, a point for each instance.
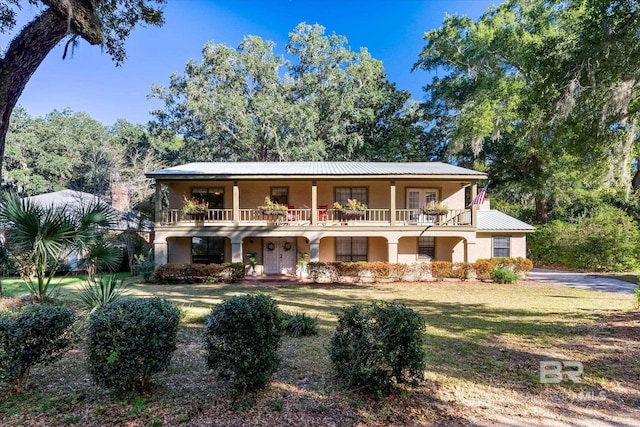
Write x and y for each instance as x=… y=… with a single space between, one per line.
x=397 y=225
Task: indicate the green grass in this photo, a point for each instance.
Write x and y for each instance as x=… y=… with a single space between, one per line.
x=482 y=339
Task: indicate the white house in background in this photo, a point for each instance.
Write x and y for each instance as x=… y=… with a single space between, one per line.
x=397 y=226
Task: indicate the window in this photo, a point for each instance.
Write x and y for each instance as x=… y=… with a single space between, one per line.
x=213 y=196
x=207 y=250
x=351 y=249
x=345 y=193
x=280 y=195
x=426 y=247
x=417 y=198
x=501 y=246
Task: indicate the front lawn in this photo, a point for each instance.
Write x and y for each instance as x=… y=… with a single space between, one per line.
x=484 y=342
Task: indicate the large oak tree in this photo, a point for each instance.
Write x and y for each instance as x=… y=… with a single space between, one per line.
x=544 y=92
x=321 y=102
x=99 y=22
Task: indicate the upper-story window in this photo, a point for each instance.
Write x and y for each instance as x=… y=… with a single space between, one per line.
x=213 y=196
x=280 y=195
x=343 y=194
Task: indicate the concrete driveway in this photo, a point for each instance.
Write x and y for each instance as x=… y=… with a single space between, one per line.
x=596 y=282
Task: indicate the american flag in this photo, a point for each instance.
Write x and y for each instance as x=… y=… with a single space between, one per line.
x=479 y=199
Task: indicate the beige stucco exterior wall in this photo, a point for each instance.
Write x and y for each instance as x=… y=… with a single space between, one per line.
x=179 y=250
x=378 y=249
x=518 y=244
x=327 y=249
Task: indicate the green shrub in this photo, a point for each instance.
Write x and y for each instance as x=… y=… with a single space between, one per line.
x=31 y=335
x=145 y=265
x=300 y=325
x=130 y=340
x=504 y=275
x=199 y=273
x=242 y=339
x=105 y=289
x=605 y=241
x=374 y=347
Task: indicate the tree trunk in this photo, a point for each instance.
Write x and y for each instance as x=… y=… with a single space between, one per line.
x=542 y=212
x=34 y=42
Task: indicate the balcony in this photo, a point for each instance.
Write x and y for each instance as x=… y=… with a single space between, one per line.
x=325 y=217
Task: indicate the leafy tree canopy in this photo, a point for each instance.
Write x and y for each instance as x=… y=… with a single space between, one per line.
x=249 y=103
x=537 y=88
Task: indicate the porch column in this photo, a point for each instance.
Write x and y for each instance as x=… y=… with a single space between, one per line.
x=158 y=202
x=314 y=202
x=236 y=251
x=474 y=208
x=393 y=251
x=160 y=252
x=471 y=254
x=314 y=250
x=392 y=204
x=236 y=205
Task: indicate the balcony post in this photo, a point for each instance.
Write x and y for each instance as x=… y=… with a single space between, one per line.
x=474 y=208
x=158 y=202
x=392 y=206
x=314 y=202
x=236 y=205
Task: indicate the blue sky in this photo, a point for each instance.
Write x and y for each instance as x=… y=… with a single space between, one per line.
x=89 y=82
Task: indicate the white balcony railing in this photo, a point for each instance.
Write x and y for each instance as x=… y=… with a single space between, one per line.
x=302 y=217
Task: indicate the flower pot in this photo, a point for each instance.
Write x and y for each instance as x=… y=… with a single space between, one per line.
x=271 y=212
x=351 y=214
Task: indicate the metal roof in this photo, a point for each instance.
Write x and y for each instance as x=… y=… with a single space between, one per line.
x=317 y=169
x=76 y=199
x=493 y=220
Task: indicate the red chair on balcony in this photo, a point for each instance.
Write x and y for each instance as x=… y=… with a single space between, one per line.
x=291 y=215
x=323 y=213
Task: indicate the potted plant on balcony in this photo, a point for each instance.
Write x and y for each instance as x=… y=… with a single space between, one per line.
x=272 y=208
x=351 y=210
x=194 y=208
x=435 y=209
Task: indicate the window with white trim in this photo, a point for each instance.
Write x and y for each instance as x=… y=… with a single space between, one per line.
x=501 y=246
x=343 y=194
x=351 y=249
x=426 y=247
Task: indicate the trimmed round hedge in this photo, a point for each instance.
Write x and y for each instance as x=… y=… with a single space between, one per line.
x=242 y=338
x=129 y=341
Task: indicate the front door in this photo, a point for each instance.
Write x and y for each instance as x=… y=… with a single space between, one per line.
x=279 y=255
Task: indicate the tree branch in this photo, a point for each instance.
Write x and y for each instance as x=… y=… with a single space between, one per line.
x=81 y=17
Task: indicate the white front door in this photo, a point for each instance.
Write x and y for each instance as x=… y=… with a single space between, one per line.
x=279 y=255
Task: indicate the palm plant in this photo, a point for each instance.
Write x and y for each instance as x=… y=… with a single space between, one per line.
x=39 y=238
x=104 y=290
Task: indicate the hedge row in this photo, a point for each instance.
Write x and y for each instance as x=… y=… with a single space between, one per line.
x=481 y=269
x=199 y=273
